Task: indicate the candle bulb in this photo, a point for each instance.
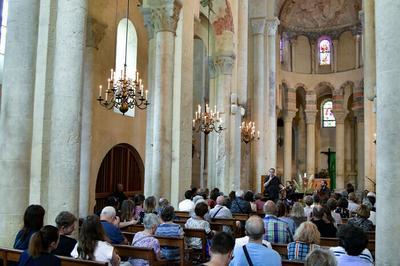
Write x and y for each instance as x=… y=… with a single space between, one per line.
x=194 y=123
x=108 y=84
x=100 y=90
x=146 y=94
x=199 y=108
x=137 y=76
x=141 y=90
x=258 y=134
x=106 y=96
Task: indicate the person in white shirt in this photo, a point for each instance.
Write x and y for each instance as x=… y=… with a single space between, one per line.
x=353 y=205
x=332 y=205
x=220 y=211
x=187 y=204
x=308 y=209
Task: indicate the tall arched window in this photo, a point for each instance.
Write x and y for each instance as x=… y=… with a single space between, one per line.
x=131 y=58
x=327 y=117
x=324 y=47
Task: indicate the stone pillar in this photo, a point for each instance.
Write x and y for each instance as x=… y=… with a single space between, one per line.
x=340 y=116
x=235 y=143
x=258 y=154
x=148 y=173
x=65 y=145
x=270 y=126
x=388 y=142
x=335 y=55
x=181 y=175
x=224 y=153
x=16 y=114
x=95 y=33
x=287 y=159
x=360 y=149
x=314 y=57
x=293 y=53
x=165 y=18
x=311 y=115
x=242 y=52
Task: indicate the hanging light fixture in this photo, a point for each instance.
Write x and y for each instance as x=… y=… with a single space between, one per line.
x=209 y=120
x=122 y=92
x=248 y=132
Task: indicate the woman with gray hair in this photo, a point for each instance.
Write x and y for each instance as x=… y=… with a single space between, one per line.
x=146 y=239
x=297 y=214
x=320 y=257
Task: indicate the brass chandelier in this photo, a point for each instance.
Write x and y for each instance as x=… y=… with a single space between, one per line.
x=248 y=132
x=122 y=92
x=207 y=121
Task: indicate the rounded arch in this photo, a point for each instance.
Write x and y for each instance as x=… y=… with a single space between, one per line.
x=122 y=164
x=347 y=89
x=301 y=86
x=324 y=88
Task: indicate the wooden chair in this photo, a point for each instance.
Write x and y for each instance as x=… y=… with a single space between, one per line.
x=174 y=242
x=199 y=233
x=12 y=255
x=291 y=262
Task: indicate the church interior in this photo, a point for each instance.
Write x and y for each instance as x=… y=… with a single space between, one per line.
x=163 y=96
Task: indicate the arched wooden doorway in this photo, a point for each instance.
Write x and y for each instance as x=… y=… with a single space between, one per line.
x=122 y=164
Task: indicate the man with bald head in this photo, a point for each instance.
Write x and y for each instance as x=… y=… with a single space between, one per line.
x=220 y=211
x=276 y=230
x=255 y=252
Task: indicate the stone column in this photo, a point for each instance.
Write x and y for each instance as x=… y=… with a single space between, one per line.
x=65 y=131
x=314 y=57
x=311 y=115
x=270 y=126
x=165 y=18
x=335 y=55
x=224 y=153
x=293 y=53
x=388 y=142
x=287 y=159
x=340 y=116
x=16 y=114
x=360 y=149
x=242 y=52
x=148 y=173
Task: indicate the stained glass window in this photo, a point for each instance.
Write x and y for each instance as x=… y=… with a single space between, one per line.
x=328 y=119
x=281 y=46
x=324 y=52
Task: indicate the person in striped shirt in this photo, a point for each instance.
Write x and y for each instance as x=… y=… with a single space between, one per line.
x=276 y=231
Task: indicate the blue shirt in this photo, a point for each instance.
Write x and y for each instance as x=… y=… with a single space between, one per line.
x=112 y=232
x=21 y=242
x=43 y=259
x=259 y=255
x=171 y=230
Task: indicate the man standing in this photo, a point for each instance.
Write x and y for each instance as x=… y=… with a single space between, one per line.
x=272 y=185
x=119 y=194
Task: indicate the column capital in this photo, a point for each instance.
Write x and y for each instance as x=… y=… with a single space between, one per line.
x=340 y=116
x=311 y=115
x=272 y=26
x=289 y=115
x=258 y=25
x=148 y=21
x=165 y=17
x=225 y=63
x=95 y=32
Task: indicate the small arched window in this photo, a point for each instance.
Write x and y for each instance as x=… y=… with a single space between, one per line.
x=327 y=117
x=131 y=59
x=324 y=47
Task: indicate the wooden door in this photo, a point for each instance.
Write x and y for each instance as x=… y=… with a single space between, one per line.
x=122 y=164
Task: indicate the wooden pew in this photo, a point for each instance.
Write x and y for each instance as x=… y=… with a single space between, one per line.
x=134 y=228
x=174 y=242
x=12 y=255
x=182 y=215
x=334 y=242
x=281 y=249
x=129 y=236
x=291 y=263
x=240 y=217
x=371 y=235
x=139 y=253
x=199 y=233
x=217 y=223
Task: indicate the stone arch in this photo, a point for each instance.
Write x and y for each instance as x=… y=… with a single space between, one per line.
x=324 y=88
x=347 y=89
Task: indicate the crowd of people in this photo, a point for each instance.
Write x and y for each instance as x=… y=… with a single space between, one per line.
x=298 y=224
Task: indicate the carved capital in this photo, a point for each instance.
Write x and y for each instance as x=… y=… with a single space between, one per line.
x=165 y=18
x=340 y=116
x=225 y=63
x=311 y=115
x=289 y=115
x=95 y=32
x=148 y=21
x=272 y=26
x=258 y=25
x=212 y=67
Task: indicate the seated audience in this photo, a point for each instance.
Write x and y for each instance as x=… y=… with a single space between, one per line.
x=146 y=239
x=239 y=205
x=240 y=242
x=349 y=188
x=92 y=243
x=324 y=222
x=341 y=208
x=316 y=200
x=110 y=223
x=276 y=231
x=259 y=201
x=120 y=195
x=361 y=220
x=308 y=209
x=282 y=215
x=66 y=225
x=110 y=201
x=187 y=204
x=370 y=200
x=168 y=228
x=214 y=194
x=198 y=222
x=126 y=217
x=162 y=203
x=220 y=211
x=352 y=247
x=297 y=214
x=255 y=252
x=41 y=244
x=149 y=207
x=353 y=203
x=221 y=249
x=139 y=200
x=249 y=196
x=320 y=257
x=33 y=221
x=306 y=240
x=332 y=205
